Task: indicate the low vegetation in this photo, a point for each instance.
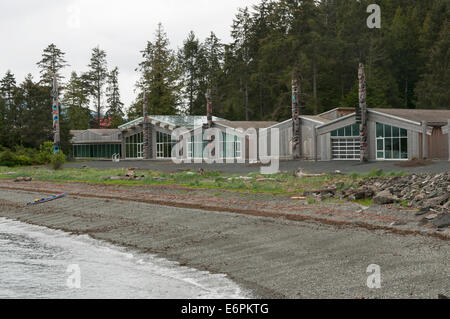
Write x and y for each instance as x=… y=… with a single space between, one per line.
x=282 y=183
x=21 y=156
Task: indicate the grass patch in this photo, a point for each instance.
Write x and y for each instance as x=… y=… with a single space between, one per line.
x=364 y=202
x=376 y=173
x=254 y=182
x=404 y=203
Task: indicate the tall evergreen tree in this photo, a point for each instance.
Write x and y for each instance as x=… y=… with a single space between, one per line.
x=9 y=93
x=8 y=88
x=432 y=90
x=51 y=65
x=159 y=78
x=114 y=104
x=97 y=75
x=213 y=55
x=37 y=119
x=76 y=100
x=192 y=63
x=404 y=33
x=3 y=125
x=242 y=46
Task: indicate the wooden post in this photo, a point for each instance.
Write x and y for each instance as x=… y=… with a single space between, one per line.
x=424 y=140
x=448 y=137
x=208 y=108
x=314 y=140
x=123 y=146
x=147 y=141
x=296 y=131
x=55 y=115
x=363 y=110
x=209 y=121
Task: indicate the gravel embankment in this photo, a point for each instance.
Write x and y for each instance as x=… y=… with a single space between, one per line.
x=394 y=218
x=275 y=257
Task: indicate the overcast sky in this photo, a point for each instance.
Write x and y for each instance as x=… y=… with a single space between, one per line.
x=121 y=28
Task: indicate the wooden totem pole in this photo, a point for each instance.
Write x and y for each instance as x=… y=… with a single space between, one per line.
x=361 y=114
x=296 y=131
x=55 y=116
x=146 y=147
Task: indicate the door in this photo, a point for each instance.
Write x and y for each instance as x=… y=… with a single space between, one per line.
x=380 y=148
x=345 y=148
x=140 y=150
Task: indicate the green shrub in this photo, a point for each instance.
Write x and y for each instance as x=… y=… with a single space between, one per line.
x=45 y=154
x=28 y=152
x=24 y=160
x=354 y=175
x=57 y=160
x=376 y=173
x=8 y=158
x=219 y=179
x=211 y=174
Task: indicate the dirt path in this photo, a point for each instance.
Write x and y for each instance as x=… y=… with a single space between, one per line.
x=276 y=257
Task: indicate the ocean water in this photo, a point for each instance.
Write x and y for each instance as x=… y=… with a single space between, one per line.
x=37 y=262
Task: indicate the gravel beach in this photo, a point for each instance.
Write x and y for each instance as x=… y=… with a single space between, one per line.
x=273 y=257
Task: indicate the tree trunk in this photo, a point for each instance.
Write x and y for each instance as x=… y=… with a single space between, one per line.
x=98 y=109
x=316 y=111
x=406 y=93
x=246 y=100
x=261 y=102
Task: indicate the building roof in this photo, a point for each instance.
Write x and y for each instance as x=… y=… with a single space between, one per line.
x=95 y=135
x=337 y=113
x=316 y=118
x=103 y=131
x=246 y=124
x=187 y=121
x=433 y=117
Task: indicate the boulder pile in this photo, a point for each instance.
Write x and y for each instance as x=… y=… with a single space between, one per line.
x=425 y=191
x=428 y=193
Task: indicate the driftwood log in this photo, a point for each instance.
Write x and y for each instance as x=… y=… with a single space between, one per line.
x=300 y=173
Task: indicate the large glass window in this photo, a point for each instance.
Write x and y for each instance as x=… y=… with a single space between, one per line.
x=348 y=131
x=95 y=150
x=392 y=142
x=164 y=145
x=134 y=145
x=196 y=146
x=231 y=146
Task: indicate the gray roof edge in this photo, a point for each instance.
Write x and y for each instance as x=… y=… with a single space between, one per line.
x=336 y=120
x=394 y=117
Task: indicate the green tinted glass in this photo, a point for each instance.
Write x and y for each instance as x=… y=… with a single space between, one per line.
x=380 y=131
x=387 y=131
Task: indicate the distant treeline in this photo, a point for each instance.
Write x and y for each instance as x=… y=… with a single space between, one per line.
x=406 y=63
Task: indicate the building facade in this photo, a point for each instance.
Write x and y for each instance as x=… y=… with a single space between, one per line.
x=127 y=142
x=393 y=134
